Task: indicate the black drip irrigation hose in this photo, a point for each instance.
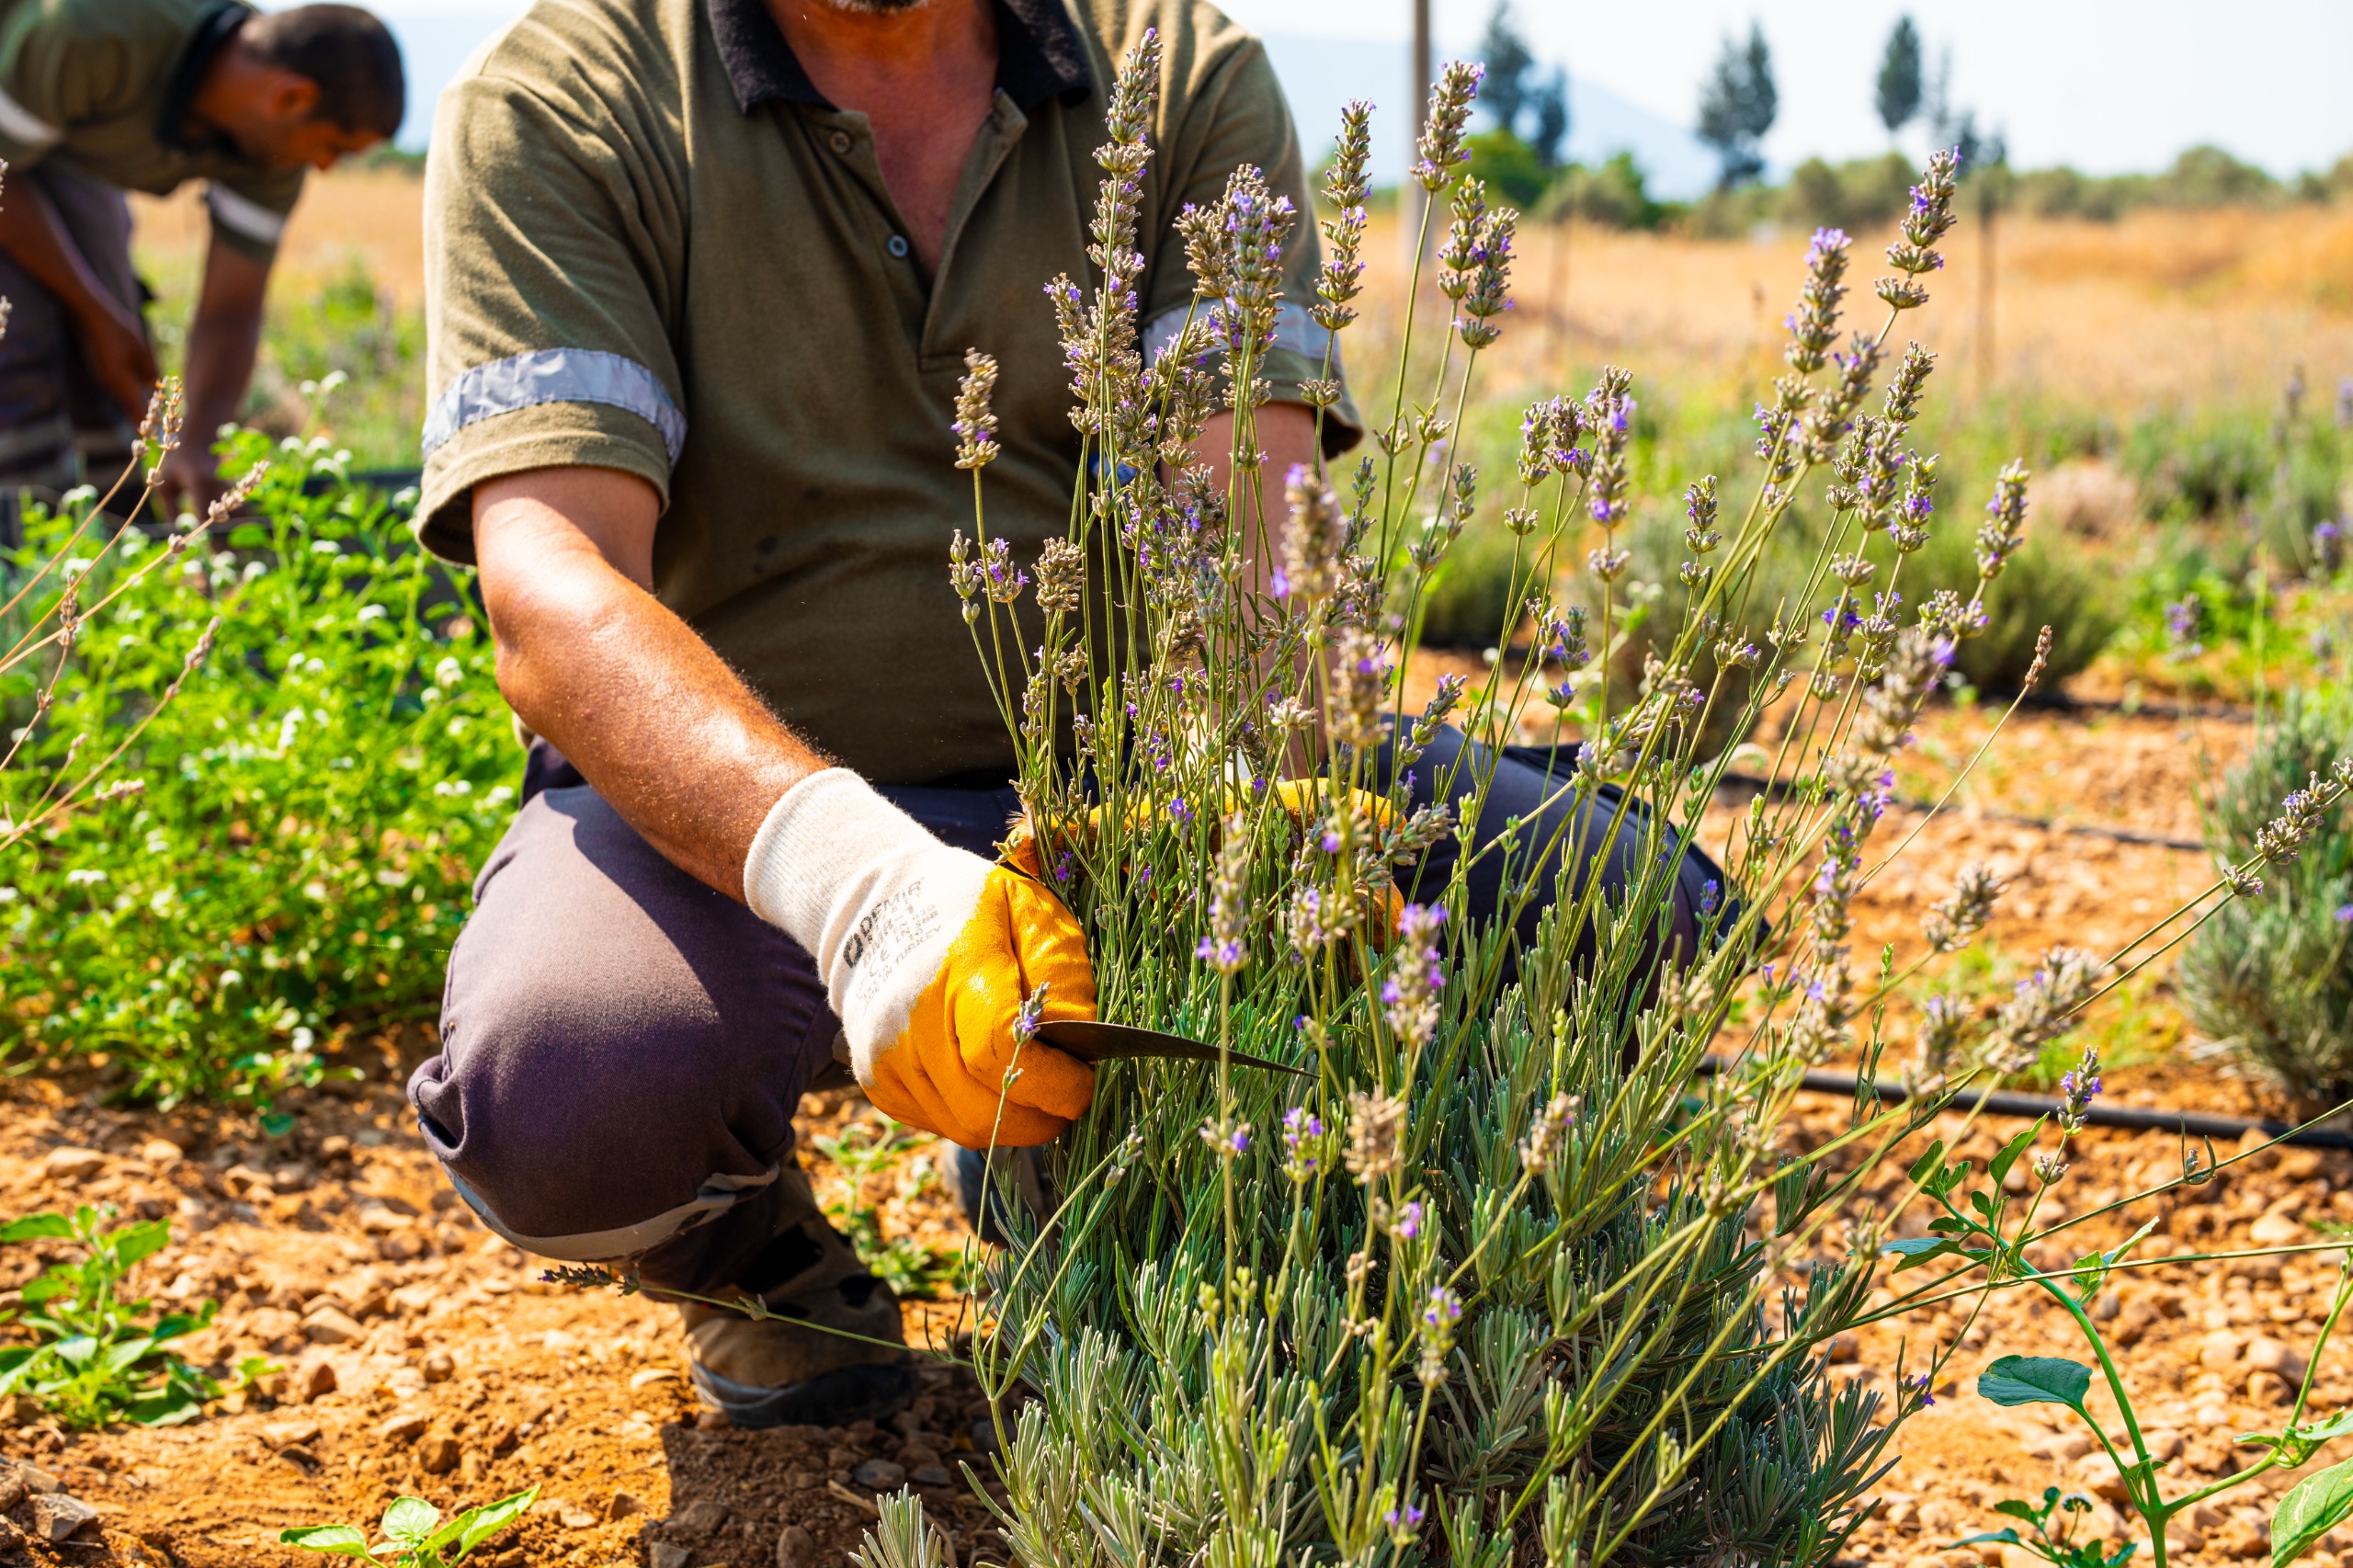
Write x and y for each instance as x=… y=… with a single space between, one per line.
x=2134 y=1118
x=1778 y=788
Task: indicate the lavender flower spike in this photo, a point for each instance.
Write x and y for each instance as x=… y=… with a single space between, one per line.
x=2005 y=527
x=1441 y=145
x=975 y=423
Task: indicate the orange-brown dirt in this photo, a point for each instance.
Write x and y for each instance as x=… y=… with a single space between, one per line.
x=455 y=1375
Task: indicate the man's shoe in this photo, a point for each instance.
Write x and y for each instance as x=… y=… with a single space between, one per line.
x=788 y=1370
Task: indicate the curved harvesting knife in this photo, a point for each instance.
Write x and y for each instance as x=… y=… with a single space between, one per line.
x=1091 y=1040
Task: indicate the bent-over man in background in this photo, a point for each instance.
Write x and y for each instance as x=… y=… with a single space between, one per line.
x=101 y=96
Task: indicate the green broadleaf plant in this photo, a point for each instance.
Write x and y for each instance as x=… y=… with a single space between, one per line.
x=414 y=1534
x=90 y=1363
x=2312 y=1508
x=1990 y=1237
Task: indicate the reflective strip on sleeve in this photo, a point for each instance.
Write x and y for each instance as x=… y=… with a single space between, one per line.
x=244 y=215
x=25 y=127
x=1295 y=330
x=555 y=375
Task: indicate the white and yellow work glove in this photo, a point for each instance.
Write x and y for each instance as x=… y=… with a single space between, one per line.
x=928 y=953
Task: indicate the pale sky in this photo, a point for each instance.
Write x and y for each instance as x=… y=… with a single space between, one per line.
x=2105 y=84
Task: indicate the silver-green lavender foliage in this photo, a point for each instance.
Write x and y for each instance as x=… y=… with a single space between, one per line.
x=1499 y=1285
x=2271 y=975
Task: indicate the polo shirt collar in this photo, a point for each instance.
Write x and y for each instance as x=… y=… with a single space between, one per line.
x=213 y=29
x=1038 y=56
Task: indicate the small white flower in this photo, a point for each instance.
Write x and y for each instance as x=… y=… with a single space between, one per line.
x=453 y=786
x=85 y=877
x=499 y=795
x=370 y=612
x=7 y=895
x=230 y=977
x=303 y=1038
x=255 y=570
x=449 y=671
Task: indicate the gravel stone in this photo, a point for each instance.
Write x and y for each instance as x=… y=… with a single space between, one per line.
x=57 y=1517
x=880 y=1475
x=700 y=1517
x=408 y=1425
x=796 y=1547
x=333 y=1325
x=70 y=1164
x=438 y=1454
x=314 y=1379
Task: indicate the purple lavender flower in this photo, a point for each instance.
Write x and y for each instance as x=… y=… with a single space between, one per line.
x=2183 y=618
x=1302 y=1143
x=2077 y=1088
x=1031 y=1013
x=1415 y=976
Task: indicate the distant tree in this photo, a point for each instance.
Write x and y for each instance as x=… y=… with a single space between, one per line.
x=1510 y=64
x=1899 y=91
x=1977 y=152
x=1737 y=106
x=1548 y=105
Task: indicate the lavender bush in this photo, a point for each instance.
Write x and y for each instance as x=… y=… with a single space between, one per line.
x=1513 y=1279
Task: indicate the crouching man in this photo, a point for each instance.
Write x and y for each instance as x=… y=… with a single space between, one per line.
x=702 y=275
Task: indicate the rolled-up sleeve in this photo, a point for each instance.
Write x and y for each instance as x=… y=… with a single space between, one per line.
x=1236 y=115
x=546 y=292
x=249 y=212
x=46 y=81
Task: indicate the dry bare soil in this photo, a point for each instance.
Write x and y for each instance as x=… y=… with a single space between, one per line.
x=421 y=1354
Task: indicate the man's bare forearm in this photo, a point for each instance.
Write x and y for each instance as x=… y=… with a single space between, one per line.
x=1286 y=436
x=652 y=717
x=35 y=238
x=223 y=338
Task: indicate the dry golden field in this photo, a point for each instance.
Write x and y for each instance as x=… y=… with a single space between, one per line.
x=2163 y=307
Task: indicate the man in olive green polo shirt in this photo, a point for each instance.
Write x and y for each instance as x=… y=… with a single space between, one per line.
x=100 y=97
x=702 y=275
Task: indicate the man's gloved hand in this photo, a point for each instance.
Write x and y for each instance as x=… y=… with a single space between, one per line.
x=928 y=953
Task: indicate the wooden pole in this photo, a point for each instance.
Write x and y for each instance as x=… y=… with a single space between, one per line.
x=1411 y=197
x=1986 y=210
x=1556 y=292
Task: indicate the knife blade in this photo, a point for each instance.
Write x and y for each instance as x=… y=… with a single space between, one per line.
x=1091 y=1040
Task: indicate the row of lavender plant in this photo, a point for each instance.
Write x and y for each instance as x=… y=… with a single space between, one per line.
x=1515 y=1278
